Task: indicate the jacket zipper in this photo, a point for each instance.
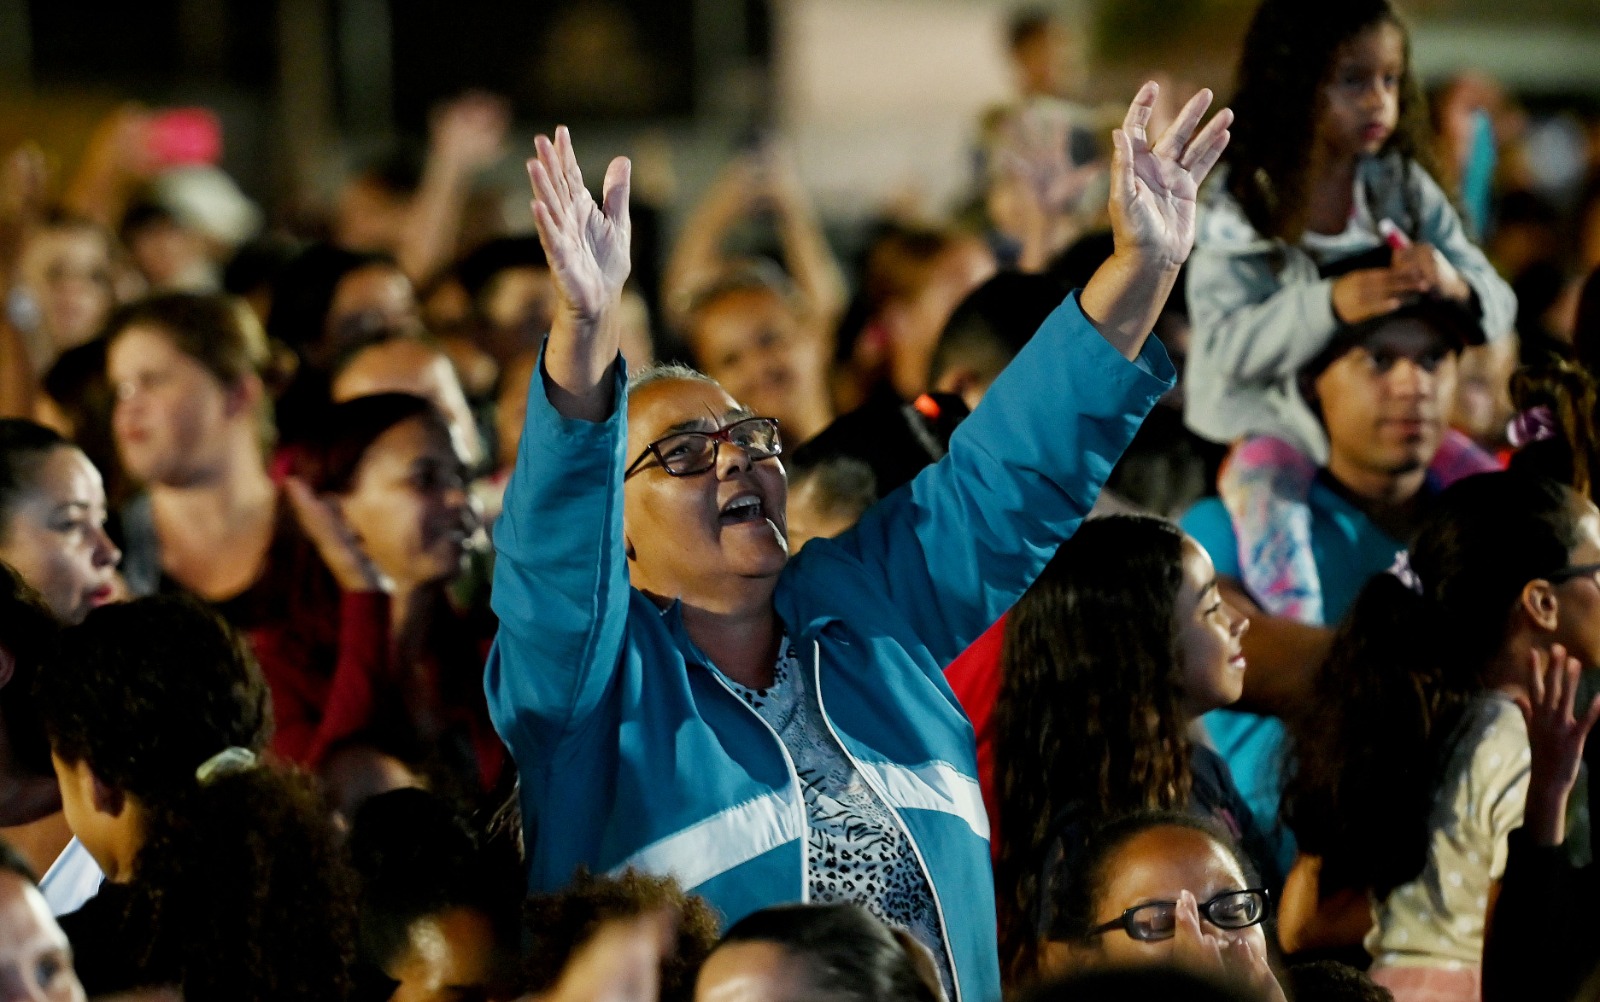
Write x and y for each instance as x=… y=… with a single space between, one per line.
x=794 y=784
x=916 y=850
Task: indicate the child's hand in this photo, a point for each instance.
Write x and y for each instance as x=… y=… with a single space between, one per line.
x=1556 y=738
x=1372 y=292
x=1430 y=269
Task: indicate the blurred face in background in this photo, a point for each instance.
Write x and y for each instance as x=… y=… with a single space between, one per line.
x=172 y=416
x=1385 y=401
x=54 y=535
x=408 y=503
x=370 y=216
x=751 y=341
x=915 y=320
x=408 y=365
x=35 y=957
x=67 y=271
x=371 y=299
x=511 y=405
x=1482 y=405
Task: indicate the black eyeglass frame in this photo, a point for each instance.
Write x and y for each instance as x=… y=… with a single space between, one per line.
x=1126 y=924
x=1574 y=572
x=723 y=434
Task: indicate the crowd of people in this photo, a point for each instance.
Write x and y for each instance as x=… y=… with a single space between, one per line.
x=1177 y=574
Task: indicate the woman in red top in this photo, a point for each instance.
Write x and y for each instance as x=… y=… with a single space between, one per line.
x=387 y=468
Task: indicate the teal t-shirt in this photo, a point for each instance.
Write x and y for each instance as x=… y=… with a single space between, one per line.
x=1348 y=549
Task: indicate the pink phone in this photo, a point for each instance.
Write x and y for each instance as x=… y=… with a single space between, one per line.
x=183 y=137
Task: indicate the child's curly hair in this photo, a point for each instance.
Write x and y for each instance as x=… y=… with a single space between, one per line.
x=1289 y=54
x=240 y=883
x=557 y=924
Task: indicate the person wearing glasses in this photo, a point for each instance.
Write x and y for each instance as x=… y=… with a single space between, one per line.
x=682 y=698
x=1156 y=887
x=1408 y=780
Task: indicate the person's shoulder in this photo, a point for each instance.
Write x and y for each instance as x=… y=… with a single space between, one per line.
x=1492 y=752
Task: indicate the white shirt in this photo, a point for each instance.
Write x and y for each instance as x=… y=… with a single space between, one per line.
x=72 y=879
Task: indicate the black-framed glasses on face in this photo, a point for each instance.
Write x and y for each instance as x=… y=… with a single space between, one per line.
x=686 y=453
x=1157 y=920
x=1574 y=572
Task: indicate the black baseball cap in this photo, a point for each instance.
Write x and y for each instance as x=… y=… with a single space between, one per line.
x=1456 y=325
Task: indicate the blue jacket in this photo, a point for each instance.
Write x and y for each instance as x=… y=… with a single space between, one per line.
x=631 y=753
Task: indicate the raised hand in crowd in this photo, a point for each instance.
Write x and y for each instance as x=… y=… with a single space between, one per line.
x=1154 y=188
x=587 y=244
x=1556 y=737
x=466 y=136
x=1046 y=185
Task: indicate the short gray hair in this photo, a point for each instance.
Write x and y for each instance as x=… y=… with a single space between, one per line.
x=662 y=371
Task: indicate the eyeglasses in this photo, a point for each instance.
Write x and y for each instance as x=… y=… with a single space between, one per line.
x=1574 y=572
x=1158 y=920
x=689 y=452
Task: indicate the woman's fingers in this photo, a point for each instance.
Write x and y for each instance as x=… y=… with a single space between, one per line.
x=1554 y=680
x=1138 y=116
x=571 y=176
x=1173 y=142
x=544 y=188
x=1206 y=149
x=614 y=193
x=1124 y=186
x=1589 y=719
x=544 y=152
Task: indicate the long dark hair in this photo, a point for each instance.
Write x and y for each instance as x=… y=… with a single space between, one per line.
x=1365 y=765
x=29 y=634
x=1288 y=56
x=1089 y=716
x=239 y=886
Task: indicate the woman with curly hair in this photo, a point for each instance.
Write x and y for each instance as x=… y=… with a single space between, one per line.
x=1118 y=647
x=1408 y=778
x=225 y=879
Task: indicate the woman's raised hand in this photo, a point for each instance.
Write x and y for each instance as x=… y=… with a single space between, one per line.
x=587 y=243
x=1154 y=188
x=1556 y=736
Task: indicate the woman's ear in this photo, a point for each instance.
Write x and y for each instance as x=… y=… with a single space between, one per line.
x=245 y=395
x=1540 y=605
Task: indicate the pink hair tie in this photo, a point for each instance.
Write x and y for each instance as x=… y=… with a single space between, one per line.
x=1536 y=424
